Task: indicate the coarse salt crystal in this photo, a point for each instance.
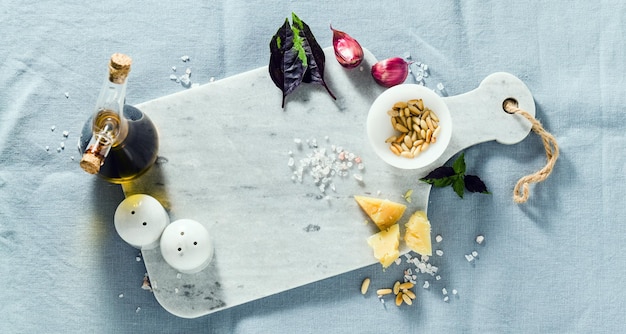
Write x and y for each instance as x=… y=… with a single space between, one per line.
x=52 y=128
x=480 y=239
x=469 y=257
x=184 y=58
x=398 y=261
x=137 y=309
x=138 y=258
x=179 y=275
x=173 y=77
x=67 y=95
x=454 y=292
x=440 y=86
x=438 y=238
x=358 y=177
x=446 y=299
x=47 y=148
x=121 y=295
x=66 y=133
x=475 y=254
x=444 y=291
x=439 y=252
x=426 y=285
x=438 y=277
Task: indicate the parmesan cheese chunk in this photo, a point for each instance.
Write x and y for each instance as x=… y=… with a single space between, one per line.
x=382 y=212
x=385 y=244
x=417 y=235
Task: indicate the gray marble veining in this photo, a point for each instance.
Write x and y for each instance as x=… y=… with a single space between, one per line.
x=224 y=152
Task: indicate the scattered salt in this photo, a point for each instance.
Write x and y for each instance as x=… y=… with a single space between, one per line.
x=439 y=252
x=358 y=177
x=62 y=145
x=426 y=285
x=444 y=291
x=47 y=148
x=188 y=71
x=480 y=239
x=138 y=258
x=52 y=128
x=66 y=133
x=446 y=299
x=121 y=295
x=475 y=254
x=58 y=149
x=179 y=275
x=454 y=292
x=173 y=68
x=67 y=95
x=138 y=309
x=469 y=257
x=173 y=77
x=175 y=290
x=438 y=238
x=184 y=59
x=440 y=86
x=438 y=277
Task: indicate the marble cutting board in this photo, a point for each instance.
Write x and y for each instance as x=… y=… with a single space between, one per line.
x=223 y=161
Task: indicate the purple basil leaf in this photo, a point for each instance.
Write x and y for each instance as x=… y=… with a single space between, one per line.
x=474 y=184
x=314 y=54
x=439 y=173
x=286 y=66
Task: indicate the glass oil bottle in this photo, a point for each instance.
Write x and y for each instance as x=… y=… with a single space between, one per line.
x=119 y=142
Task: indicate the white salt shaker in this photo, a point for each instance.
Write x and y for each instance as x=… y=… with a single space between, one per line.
x=186 y=246
x=140 y=220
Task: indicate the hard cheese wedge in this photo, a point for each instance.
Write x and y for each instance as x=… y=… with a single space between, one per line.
x=417 y=235
x=385 y=244
x=383 y=213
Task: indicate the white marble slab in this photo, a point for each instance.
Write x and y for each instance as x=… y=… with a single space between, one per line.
x=224 y=162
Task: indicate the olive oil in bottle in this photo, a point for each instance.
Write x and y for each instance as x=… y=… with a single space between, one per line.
x=119 y=142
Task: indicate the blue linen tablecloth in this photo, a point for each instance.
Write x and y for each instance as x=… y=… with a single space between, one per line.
x=555 y=264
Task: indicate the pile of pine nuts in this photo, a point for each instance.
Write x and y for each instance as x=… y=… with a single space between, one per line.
x=418 y=127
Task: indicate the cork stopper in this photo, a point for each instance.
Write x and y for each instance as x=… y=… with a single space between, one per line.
x=119 y=66
x=91 y=163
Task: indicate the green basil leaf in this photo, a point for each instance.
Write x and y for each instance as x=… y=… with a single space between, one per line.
x=459 y=164
x=458 y=185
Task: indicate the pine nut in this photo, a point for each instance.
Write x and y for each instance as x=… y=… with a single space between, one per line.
x=401 y=128
x=382 y=292
x=365 y=285
x=394 y=150
x=406 y=298
x=409 y=293
x=400 y=105
x=396 y=287
x=399 y=299
x=406 y=285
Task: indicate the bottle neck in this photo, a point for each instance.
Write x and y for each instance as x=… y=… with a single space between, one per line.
x=109 y=126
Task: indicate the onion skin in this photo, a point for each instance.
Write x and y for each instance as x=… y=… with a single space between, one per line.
x=390 y=72
x=348 y=51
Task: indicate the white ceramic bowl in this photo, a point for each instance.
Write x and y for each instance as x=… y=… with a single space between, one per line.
x=379 y=126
